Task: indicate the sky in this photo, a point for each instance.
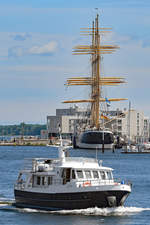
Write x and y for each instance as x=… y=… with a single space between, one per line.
x=36 y=41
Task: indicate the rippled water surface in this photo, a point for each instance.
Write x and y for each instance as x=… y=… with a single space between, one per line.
x=135 y=168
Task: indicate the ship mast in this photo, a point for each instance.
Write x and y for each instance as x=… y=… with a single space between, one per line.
x=96 y=77
x=96 y=81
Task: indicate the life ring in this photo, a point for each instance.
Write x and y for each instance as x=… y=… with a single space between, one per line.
x=86 y=183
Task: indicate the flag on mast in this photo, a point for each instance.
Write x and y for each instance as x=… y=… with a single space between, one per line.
x=107 y=101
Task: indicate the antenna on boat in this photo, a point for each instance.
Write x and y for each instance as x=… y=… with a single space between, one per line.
x=96 y=152
x=60 y=137
x=61 y=151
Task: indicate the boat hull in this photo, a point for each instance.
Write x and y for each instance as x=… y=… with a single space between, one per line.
x=95 y=146
x=95 y=140
x=80 y=200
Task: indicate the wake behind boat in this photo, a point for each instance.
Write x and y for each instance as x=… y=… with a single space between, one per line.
x=68 y=183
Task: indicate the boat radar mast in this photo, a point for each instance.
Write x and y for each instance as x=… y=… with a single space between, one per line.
x=96 y=81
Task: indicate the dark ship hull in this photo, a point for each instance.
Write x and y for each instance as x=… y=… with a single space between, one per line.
x=78 y=200
x=94 y=139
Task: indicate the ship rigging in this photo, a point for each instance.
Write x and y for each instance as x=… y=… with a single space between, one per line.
x=96 y=81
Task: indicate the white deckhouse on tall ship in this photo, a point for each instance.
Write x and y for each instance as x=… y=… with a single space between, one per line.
x=97 y=136
x=68 y=183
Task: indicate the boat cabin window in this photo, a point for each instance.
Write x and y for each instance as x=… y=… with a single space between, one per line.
x=109 y=175
x=73 y=174
x=49 y=180
x=95 y=174
x=66 y=175
x=103 y=175
x=43 y=180
x=80 y=173
x=38 y=180
x=88 y=173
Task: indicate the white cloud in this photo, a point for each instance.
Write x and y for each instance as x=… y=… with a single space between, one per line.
x=46 y=50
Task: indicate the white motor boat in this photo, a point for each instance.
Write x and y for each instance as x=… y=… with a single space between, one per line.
x=68 y=183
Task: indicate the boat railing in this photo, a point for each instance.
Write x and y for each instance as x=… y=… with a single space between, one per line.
x=31 y=163
x=81 y=159
x=20 y=185
x=122 y=181
x=94 y=182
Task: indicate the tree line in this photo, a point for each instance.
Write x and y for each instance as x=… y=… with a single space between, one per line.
x=21 y=129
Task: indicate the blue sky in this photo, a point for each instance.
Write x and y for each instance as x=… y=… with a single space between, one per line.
x=36 y=40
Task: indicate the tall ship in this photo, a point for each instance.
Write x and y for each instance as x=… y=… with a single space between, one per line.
x=95 y=136
x=68 y=183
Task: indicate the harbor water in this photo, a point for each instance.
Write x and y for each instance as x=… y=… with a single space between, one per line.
x=132 y=167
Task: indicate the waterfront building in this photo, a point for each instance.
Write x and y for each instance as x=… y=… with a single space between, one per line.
x=67 y=120
x=128 y=124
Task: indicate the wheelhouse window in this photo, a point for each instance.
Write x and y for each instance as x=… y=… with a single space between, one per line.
x=38 y=180
x=73 y=174
x=103 y=175
x=109 y=175
x=43 y=180
x=80 y=173
x=49 y=180
x=95 y=174
x=88 y=174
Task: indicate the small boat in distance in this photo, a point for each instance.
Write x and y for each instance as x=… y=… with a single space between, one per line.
x=68 y=183
x=137 y=149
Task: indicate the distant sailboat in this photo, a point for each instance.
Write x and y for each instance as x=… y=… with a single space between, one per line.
x=97 y=137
